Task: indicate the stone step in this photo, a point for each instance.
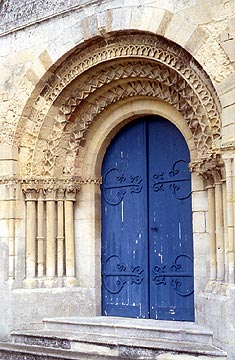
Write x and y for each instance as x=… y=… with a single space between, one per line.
x=113 y=345
x=116 y=338
x=133 y=328
x=9 y=351
x=30 y=352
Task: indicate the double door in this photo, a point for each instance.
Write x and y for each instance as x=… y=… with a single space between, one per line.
x=147 y=247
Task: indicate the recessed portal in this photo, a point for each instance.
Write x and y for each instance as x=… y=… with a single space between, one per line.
x=147 y=243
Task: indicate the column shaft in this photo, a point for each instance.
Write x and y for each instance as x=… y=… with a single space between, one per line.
x=30 y=239
x=11 y=224
x=50 y=236
x=211 y=228
x=40 y=238
x=226 y=244
x=230 y=218
x=69 y=239
x=60 y=238
x=219 y=231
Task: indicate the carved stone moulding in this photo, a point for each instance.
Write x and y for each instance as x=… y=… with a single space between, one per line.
x=9 y=180
x=41 y=186
x=69 y=184
x=121 y=57
x=132 y=78
x=133 y=88
x=228 y=146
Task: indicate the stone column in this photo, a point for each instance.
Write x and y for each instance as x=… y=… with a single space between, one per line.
x=60 y=232
x=230 y=216
x=11 y=229
x=211 y=229
x=50 y=233
x=226 y=244
x=30 y=198
x=70 y=198
x=40 y=237
x=219 y=231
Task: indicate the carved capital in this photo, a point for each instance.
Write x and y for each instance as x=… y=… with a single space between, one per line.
x=51 y=188
x=30 y=194
x=72 y=184
x=50 y=194
x=209 y=167
x=60 y=194
x=70 y=194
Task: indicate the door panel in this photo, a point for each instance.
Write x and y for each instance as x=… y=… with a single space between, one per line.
x=170 y=219
x=124 y=225
x=147 y=248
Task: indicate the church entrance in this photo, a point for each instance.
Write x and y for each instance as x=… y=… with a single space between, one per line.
x=147 y=245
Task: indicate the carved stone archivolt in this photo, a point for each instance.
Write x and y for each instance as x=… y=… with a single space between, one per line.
x=132 y=88
x=91 y=80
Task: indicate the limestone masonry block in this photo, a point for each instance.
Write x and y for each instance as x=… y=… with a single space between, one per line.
x=199 y=222
x=197 y=182
x=9 y=167
x=201 y=243
x=228 y=133
x=228 y=98
x=4 y=231
x=200 y=201
x=174 y=30
x=155 y=19
x=228 y=115
x=8 y=152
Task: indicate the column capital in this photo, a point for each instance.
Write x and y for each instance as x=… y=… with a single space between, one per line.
x=210 y=167
x=60 y=194
x=50 y=194
x=30 y=194
x=70 y=194
x=51 y=188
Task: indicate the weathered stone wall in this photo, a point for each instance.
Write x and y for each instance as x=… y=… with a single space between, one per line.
x=205 y=30
x=42 y=44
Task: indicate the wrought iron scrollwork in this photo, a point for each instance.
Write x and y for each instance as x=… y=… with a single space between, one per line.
x=116 y=274
x=178 y=272
x=115 y=186
x=175 y=178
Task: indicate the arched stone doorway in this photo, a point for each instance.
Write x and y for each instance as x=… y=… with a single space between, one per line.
x=102 y=132
x=90 y=96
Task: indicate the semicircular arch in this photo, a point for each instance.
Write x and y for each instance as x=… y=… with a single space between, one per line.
x=89 y=81
x=115 y=117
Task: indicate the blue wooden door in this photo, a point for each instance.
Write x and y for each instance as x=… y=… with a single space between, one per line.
x=147 y=248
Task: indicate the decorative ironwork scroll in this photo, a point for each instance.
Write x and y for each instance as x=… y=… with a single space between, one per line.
x=175 y=179
x=116 y=185
x=116 y=274
x=179 y=272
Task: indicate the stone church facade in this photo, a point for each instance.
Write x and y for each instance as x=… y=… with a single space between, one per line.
x=72 y=75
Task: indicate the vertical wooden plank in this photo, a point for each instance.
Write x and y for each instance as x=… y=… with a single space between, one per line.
x=124 y=225
x=170 y=224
